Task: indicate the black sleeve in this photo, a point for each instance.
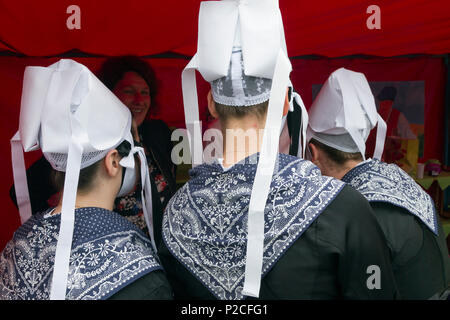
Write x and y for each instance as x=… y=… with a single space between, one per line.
x=39 y=185
x=152 y=286
x=414 y=248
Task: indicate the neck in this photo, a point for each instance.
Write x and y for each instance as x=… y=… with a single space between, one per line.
x=339 y=172
x=242 y=138
x=92 y=199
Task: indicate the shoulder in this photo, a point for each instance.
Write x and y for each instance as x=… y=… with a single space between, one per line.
x=348 y=214
x=34 y=226
x=388 y=213
x=350 y=205
x=154 y=125
x=97 y=224
x=402 y=229
x=287 y=164
x=102 y=227
x=155 y=134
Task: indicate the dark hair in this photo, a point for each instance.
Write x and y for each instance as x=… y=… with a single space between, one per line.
x=113 y=69
x=337 y=156
x=84 y=181
x=87 y=174
x=226 y=112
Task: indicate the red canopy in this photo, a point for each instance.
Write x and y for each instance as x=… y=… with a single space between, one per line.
x=323 y=27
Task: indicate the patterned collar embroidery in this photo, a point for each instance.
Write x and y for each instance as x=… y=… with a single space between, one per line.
x=382 y=182
x=108 y=253
x=205 y=223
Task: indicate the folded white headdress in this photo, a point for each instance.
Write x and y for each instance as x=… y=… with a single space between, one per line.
x=68 y=113
x=344 y=113
x=256 y=27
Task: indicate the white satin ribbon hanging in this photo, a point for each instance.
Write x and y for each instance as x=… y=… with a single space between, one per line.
x=367 y=102
x=64 y=244
x=354 y=115
x=303 y=126
x=191 y=113
x=263 y=178
x=34 y=93
x=146 y=195
x=20 y=178
x=381 y=138
x=78 y=138
x=129 y=182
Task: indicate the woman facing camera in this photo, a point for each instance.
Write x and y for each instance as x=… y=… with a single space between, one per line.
x=133 y=81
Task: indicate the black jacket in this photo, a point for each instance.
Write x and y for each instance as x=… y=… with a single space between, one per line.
x=156 y=139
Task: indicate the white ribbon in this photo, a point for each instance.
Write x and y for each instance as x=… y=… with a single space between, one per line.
x=263 y=177
x=303 y=126
x=64 y=244
x=146 y=195
x=34 y=94
x=191 y=113
x=129 y=182
x=381 y=137
x=20 y=178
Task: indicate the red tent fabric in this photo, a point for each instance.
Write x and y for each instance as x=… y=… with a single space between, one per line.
x=324 y=27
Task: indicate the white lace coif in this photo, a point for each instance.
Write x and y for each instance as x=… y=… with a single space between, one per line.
x=237 y=89
x=344 y=112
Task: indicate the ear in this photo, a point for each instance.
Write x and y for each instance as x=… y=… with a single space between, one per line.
x=286 y=103
x=112 y=166
x=314 y=152
x=212 y=105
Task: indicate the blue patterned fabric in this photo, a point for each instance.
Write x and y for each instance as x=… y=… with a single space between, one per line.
x=382 y=182
x=108 y=253
x=205 y=223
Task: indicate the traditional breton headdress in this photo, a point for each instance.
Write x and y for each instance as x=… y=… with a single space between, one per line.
x=68 y=113
x=344 y=113
x=250 y=35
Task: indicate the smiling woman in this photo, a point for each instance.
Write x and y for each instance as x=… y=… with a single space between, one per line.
x=133 y=81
